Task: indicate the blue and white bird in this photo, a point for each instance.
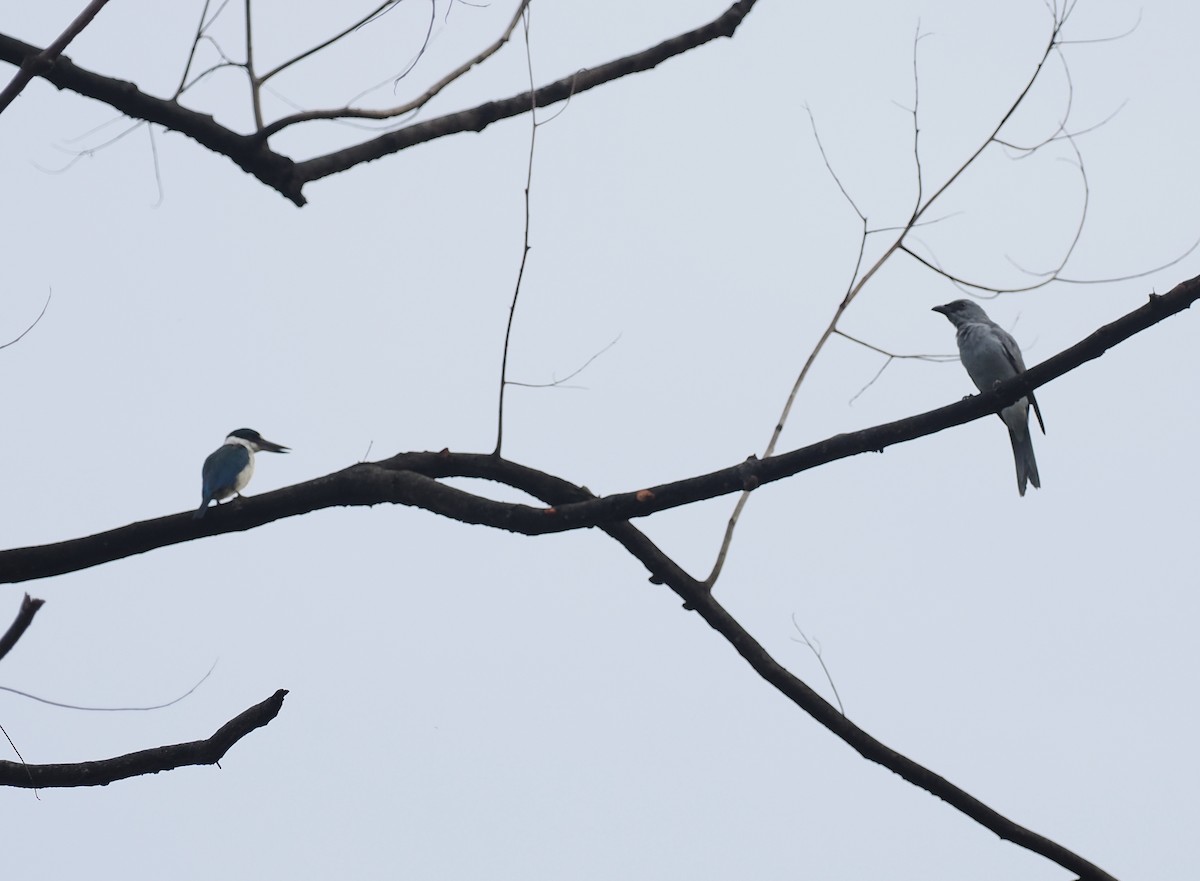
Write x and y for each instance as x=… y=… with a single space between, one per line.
x=229 y=469
x=991 y=355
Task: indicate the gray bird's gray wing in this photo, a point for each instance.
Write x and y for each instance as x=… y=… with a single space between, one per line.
x=1013 y=353
x=1011 y=350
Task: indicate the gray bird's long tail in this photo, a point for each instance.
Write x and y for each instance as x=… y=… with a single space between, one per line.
x=204 y=505
x=1022 y=445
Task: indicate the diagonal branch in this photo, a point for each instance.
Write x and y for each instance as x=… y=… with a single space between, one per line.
x=37 y=64
x=147 y=761
x=254 y=156
x=414 y=478
x=697 y=596
x=29 y=608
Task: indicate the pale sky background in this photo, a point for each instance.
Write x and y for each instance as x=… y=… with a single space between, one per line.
x=471 y=704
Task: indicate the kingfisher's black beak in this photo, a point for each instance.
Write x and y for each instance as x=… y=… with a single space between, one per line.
x=271 y=446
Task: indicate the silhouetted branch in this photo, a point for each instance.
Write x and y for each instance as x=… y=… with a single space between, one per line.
x=29 y=608
x=147 y=761
x=696 y=595
x=512 y=309
x=37 y=64
x=253 y=154
x=413 y=478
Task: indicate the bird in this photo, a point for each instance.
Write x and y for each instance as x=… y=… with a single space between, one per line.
x=228 y=469
x=991 y=355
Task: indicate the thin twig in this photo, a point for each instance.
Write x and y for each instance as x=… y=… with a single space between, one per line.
x=512 y=309
x=409 y=106
x=917 y=357
x=816 y=650
x=558 y=383
x=157 y=167
x=195 y=43
x=371 y=16
x=18 y=337
x=920 y=205
x=255 y=83
x=1115 y=278
x=777 y=432
x=889 y=357
x=66 y=706
x=395 y=78
x=32 y=785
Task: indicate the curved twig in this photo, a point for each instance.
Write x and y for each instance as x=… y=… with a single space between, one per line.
x=408 y=106
x=33 y=324
x=86 y=709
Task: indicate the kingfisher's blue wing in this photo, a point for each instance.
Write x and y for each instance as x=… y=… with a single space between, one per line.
x=221 y=470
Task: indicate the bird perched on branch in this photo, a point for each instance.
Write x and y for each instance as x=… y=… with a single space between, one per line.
x=991 y=355
x=229 y=469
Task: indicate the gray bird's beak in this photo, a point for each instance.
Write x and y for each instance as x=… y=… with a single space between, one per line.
x=941 y=309
x=271 y=446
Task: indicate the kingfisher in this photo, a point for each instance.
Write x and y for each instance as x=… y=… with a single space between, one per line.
x=229 y=469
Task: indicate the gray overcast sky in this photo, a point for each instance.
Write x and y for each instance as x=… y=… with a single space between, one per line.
x=469 y=704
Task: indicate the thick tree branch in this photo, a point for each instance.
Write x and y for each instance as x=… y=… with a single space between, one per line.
x=29 y=608
x=254 y=156
x=413 y=478
x=147 y=761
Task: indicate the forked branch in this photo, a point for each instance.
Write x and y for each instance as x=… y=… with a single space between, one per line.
x=253 y=154
x=37 y=64
x=859 y=280
x=415 y=479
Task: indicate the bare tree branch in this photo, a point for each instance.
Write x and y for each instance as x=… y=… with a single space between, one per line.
x=777 y=431
x=512 y=309
x=696 y=595
x=36 y=65
x=29 y=608
x=409 y=106
x=147 y=761
x=413 y=478
x=252 y=153
x=921 y=204
x=371 y=16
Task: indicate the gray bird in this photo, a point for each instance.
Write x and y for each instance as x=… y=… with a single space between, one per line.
x=991 y=355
